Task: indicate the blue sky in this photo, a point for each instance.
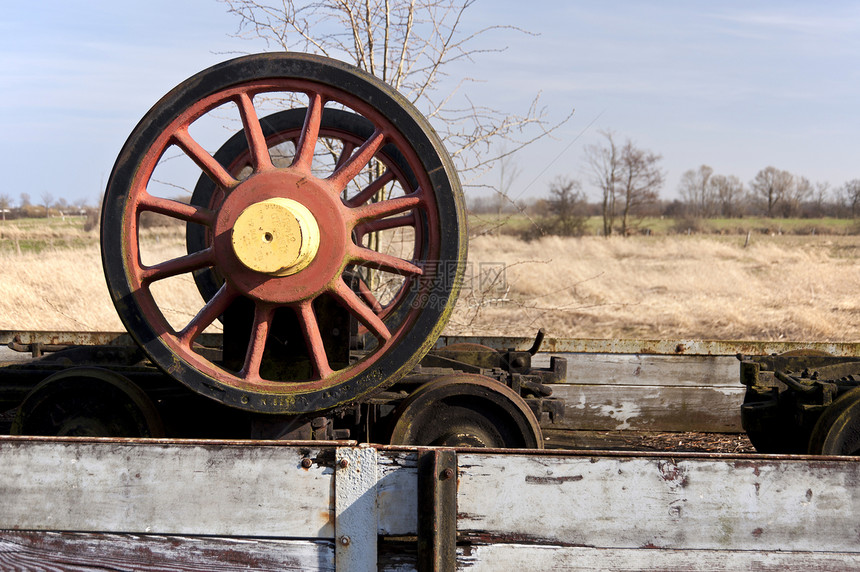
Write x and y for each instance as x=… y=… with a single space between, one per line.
x=736 y=85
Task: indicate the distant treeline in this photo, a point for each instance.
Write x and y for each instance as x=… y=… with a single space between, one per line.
x=704 y=195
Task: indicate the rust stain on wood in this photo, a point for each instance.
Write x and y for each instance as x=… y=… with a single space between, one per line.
x=552 y=480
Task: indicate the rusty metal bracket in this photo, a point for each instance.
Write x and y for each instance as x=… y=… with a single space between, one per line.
x=437 y=510
x=35 y=348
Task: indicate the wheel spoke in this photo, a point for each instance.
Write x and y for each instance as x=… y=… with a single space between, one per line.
x=367 y=296
x=370 y=190
x=208 y=314
x=263 y=315
x=357 y=161
x=381 y=261
x=345 y=153
x=188 y=263
x=313 y=339
x=385 y=224
x=390 y=207
x=213 y=169
x=254 y=133
x=176 y=209
x=360 y=310
x=304 y=156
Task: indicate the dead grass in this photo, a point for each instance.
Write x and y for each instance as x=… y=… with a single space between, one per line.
x=778 y=288
x=55 y=290
x=64 y=289
x=709 y=287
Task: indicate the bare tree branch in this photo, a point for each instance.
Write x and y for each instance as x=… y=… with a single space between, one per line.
x=410 y=44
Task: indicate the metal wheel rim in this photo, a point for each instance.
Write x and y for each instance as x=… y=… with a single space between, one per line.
x=134 y=405
x=416 y=421
x=837 y=431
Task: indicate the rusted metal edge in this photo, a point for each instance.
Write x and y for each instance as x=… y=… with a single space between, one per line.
x=437 y=510
x=655 y=347
x=19 y=439
x=549 y=345
x=73 y=338
x=630 y=454
x=181 y=442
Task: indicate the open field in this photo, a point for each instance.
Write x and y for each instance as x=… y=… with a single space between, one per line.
x=701 y=287
x=782 y=287
x=518 y=224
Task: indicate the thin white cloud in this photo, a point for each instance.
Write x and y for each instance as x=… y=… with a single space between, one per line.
x=808 y=23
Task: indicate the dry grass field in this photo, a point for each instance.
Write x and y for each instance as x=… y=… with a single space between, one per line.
x=700 y=287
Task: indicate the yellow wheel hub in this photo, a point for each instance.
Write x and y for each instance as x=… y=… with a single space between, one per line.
x=277 y=236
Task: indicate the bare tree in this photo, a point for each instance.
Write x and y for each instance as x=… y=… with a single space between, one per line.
x=508 y=173
x=604 y=160
x=728 y=192
x=796 y=194
x=47 y=199
x=567 y=205
x=771 y=185
x=851 y=193
x=410 y=44
x=24 y=200
x=697 y=192
x=822 y=191
x=640 y=182
x=5 y=203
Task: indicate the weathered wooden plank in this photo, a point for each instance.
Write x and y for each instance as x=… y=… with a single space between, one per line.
x=660 y=502
x=650 y=408
x=645 y=369
x=398 y=508
x=584 y=559
x=172 y=488
x=90 y=552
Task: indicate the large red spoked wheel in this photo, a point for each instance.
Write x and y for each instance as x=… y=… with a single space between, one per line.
x=286 y=236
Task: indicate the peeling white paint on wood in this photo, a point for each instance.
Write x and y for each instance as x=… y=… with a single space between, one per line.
x=650 y=408
x=492 y=558
x=622 y=412
x=164 y=489
x=533 y=510
x=644 y=369
x=397 y=473
x=85 y=552
x=636 y=502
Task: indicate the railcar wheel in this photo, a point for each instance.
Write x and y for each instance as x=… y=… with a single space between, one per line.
x=284 y=238
x=87 y=402
x=466 y=410
x=837 y=431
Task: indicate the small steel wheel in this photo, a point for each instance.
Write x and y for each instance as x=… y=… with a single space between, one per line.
x=87 y=402
x=837 y=431
x=285 y=240
x=465 y=410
